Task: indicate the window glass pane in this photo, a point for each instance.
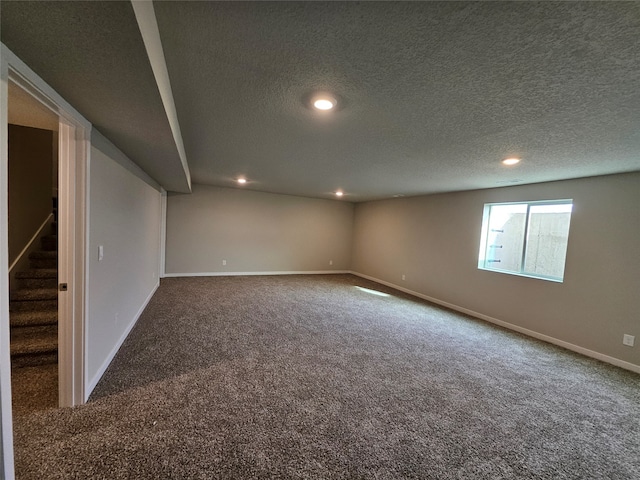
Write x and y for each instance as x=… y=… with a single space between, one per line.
x=547 y=238
x=528 y=238
x=505 y=237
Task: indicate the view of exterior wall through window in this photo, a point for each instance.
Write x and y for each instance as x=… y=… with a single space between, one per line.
x=526 y=238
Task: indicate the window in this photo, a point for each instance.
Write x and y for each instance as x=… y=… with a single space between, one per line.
x=526 y=238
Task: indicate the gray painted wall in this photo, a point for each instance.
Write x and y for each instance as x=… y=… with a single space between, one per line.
x=125 y=215
x=434 y=241
x=30 y=189
x=255 y=232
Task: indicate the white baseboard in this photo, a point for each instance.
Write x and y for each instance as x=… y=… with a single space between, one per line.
x=91 y=384
x=525 y=331
x=236 y=274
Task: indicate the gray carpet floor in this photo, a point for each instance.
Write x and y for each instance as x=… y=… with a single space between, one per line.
x=34 y=389
x=309 y=377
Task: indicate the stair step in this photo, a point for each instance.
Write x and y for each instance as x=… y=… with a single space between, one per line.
x=38 y=283
x=34 y=346
x=33 y=305
x=43 y=254
x=44 y=259
x=38 y=273
x=34 y=295
x=38 y=278
x=34 y=360
x=33 y=318
x=49 y=243
x=29 y=339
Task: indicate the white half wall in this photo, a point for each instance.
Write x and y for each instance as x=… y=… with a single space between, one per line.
x=434 y=241
x=125 y=217
x=255 y=232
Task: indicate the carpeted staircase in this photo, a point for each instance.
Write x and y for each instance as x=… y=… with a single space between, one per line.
x=34 y=307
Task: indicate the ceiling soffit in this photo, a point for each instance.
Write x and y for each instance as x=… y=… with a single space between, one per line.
x=93 y=55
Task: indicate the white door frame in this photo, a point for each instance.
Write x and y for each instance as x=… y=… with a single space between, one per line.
x=74 y=146
x=6 y=421
x=72 y=188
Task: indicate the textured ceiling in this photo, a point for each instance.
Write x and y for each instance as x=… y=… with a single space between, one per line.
x=432 y=95
x=92 y=54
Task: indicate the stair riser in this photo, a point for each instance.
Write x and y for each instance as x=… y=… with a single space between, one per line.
x=34 y=331
x=39 y=273
x=33 y=306
x=49 y=244
x=30 y=306
x=33 y=295
x=43 y=262
x=38 y=283
x=34 y=322
x=34 y=360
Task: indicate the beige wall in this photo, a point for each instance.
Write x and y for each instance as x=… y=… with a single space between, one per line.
x=125 y=214
x=434 y=240
x=30 y=189
x=255 y=232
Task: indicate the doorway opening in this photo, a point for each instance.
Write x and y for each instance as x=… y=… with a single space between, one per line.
x=72 y=227
x=59 y=244
x=33 y=252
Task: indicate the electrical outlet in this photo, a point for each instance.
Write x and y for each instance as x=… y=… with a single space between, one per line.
x=628 y=340
x=224 y=262
x=330 y=262
x=404 y=277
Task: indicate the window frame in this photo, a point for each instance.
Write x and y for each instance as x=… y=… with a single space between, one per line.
x=484 y=235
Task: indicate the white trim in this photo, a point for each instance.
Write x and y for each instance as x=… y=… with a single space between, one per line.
x=238 y=274
x=66 y=244
x=83 y=341
x=525 y=275
x=148 y=25
x=67 y=252
x=72 y=240
x=33 y=239
x=81 y=290
x=163 y=232
x=91 y=384
x=510 y=326
x=29 y=80
x=6 y=416
x=74 y=134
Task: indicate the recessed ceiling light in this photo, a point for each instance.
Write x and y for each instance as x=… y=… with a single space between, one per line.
x=510 y=161
x=339 y=193
x=242 y=180
x=324 y=102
